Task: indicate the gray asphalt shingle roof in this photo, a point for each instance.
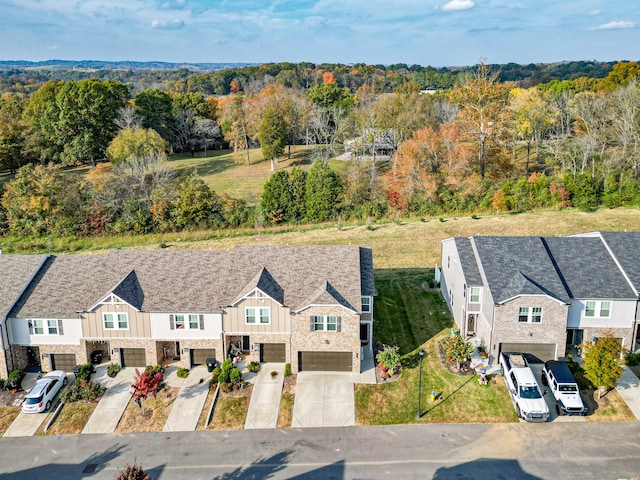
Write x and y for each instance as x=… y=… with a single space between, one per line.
x=626 y=248
x=515 y=266
x=587 y=268
x=468 y=261
x=195 y=281
x=16 y=270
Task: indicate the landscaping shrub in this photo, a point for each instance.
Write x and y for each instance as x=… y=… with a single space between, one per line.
x=182 y=372
x=3 y=384
x=389 y=357
x=82 y=390
x=113 y=369
x=15 y=378
x=153 y=369
x=287 y=370
x=215 y=375
x=632 y=359
x=133 y=472
x=85 y=372
x=253 y=367
x=235 y=376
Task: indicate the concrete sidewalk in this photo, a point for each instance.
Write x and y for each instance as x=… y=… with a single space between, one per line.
x=113 y=403
x=265 y=398
x=367 y=368
x=324 y=399
x=629 y=389
x=188 y=406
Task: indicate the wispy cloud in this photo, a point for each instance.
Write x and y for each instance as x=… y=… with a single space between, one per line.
x=593 y=13
x=615 y=25
x=458 y=5
x=167 y=24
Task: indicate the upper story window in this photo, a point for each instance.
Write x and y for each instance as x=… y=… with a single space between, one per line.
x=45 y=327
x=530 y=314
x=257 y=315
x=115 y=321
x=325 y=323
x=597 y=309
x=366 y=304
x=182 y=321
x=474 y=295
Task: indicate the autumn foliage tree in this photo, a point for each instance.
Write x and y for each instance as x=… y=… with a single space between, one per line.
x=144 y=384
x=602 y=362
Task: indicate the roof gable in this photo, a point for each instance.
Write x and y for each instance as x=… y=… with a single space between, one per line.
x=17 y=272
x=325 y=295
x=264 y=282
x=128 y=290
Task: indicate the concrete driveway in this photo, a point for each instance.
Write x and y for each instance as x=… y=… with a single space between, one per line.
x=27 y=424
x=551 y=401
x=265 y=397
x=186 y=410
x=324 y=399
x=113 y=403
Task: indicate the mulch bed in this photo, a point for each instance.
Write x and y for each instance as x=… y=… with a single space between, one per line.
x=289 y=386
x=465 y=367
x=242 y=392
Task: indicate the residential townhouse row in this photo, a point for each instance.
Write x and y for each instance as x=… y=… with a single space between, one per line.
x=311 y=306
x=543 y=295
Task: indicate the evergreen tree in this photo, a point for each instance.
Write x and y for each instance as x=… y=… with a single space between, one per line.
x=323 y=192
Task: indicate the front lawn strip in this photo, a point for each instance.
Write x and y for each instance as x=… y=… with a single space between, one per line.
x=285 y=414
x=156 y=412
x=231 y=410
x=7 y=416
x=71 y=420
x=205 y=409
x=459 y=398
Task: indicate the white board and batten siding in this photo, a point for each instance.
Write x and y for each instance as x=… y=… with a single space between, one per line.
x=71 y=332
x=211 y=324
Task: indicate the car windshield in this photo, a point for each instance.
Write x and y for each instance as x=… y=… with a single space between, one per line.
x=33 y=400
x=530 y=392
x=568 y=388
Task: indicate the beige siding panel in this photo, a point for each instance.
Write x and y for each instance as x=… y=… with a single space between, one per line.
x=139 y=323
x=234 y=318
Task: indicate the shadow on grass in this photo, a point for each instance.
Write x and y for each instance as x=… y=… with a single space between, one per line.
x=206 y=166
x=444 y=399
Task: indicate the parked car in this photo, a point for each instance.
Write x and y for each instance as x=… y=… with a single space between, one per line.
x=557 y=376
x=44 y=391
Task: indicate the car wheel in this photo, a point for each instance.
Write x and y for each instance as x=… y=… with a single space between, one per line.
x=544 y=379
x=518 y=413
x=48 y=405
x=558 y=410
x=64 y=382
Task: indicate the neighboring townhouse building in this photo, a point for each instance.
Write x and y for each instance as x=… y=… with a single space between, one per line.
x=147 y=307
x=538 y=295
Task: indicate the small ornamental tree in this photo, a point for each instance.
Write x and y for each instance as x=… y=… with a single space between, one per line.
x=602 y=362
x=145 y=384
x=133 y=472
x=455 y=347
x=389 y=358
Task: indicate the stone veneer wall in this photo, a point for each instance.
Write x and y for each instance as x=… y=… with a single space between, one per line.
x=347 y=340
x=552 y=328
x=185 y=358
x=257 y=338
x=626 y=333
x=151 y=351
x=80 y=352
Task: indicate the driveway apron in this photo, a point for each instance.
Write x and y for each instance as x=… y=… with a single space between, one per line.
x=186 y=410
x=113 y=403
x=265 y=398
x=324 y=399
x=629 y=389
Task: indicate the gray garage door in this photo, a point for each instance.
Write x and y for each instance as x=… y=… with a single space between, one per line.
x=63 y=361
x=273 y=352
x=325 y=361
x=133 y=357
x=541 y=351
x=199 y=355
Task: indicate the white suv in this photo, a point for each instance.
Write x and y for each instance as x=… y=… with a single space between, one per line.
x=44 y=391
x=557 y=376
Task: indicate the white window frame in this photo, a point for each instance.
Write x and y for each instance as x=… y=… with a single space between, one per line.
x=47 y=325
x=258 y=314
x=596 y=311
x=190 y=321
x=471 y=289
x=368 y=304
x=530 y=313
x=115 y=320
x=321 y=323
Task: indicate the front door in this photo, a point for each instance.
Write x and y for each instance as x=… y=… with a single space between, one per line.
x=471 y=324
x=177 y=352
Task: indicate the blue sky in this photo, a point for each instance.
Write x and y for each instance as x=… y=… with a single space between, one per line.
x=426 y=32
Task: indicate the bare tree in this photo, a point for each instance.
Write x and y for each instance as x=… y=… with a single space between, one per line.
x=128 y=118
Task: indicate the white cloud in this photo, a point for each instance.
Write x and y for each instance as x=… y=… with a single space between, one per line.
x=458 y=5
x=595 y=12
x=168 y=25
x=615 y=25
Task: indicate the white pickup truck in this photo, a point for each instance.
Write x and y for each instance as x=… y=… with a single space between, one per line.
x=525 y=393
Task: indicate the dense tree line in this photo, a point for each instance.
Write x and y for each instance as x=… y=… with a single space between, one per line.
x=481 y=145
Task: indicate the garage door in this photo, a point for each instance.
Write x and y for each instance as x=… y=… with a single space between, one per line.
x=199 y=355
x=536 y=351
x=325 y=361
x=273 y=352
x=63 y=361
x=133 y=357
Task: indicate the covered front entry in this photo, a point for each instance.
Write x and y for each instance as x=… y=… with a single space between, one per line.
x=199 y=355
x=273 y=352
x=325 y=361
x=541 y=351
x=63 y=361
x=133 y=357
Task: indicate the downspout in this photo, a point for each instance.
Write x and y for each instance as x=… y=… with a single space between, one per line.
x=224 y=350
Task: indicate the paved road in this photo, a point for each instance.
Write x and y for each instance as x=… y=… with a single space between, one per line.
x=518 y=451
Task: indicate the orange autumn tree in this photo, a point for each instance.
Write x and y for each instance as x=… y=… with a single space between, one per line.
x=327 y=77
